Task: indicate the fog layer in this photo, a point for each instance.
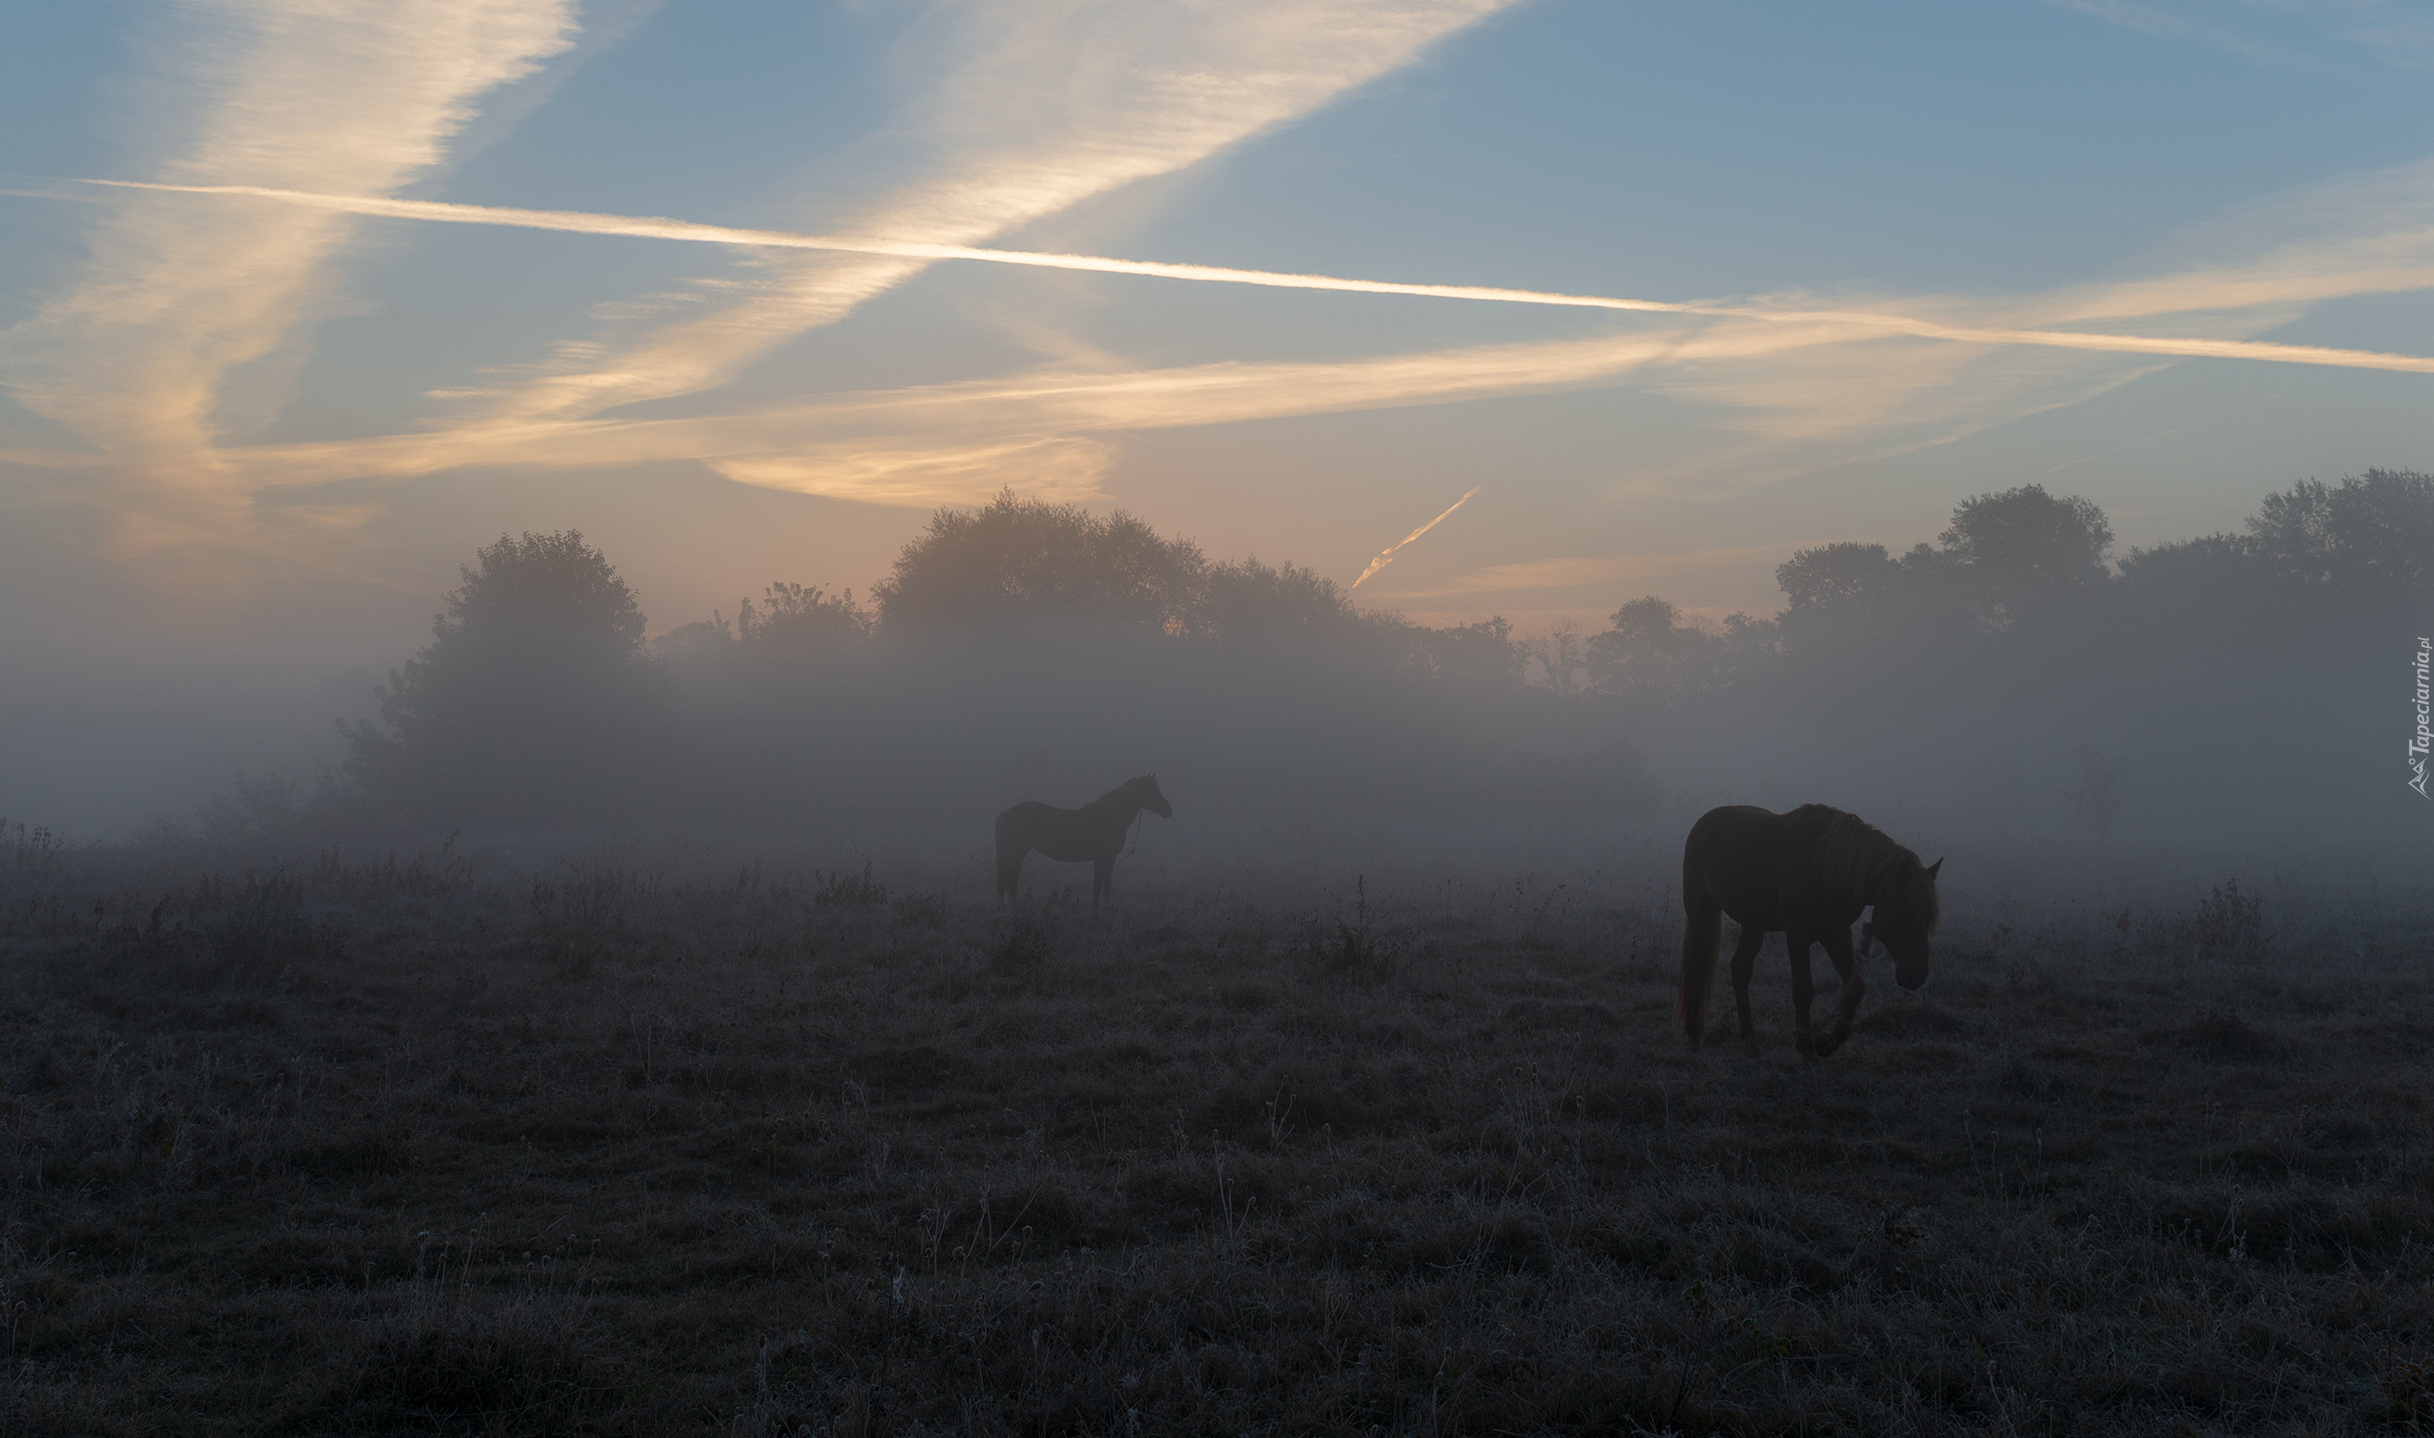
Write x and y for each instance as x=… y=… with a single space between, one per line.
x=2013 y=678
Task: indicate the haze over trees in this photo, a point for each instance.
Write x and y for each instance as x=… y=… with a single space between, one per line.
x=535 y=672
x=1021 y=649
x=2252 y=678
x=1033 y=649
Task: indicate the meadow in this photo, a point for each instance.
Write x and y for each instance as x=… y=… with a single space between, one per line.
x=642 y=1138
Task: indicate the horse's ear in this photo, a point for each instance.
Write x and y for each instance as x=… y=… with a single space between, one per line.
x=1931 y=868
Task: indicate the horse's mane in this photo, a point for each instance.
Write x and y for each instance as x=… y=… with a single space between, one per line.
x=1856 y=858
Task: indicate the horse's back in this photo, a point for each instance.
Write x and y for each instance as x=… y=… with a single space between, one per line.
x=1756 y=864
x=1729 y=824
x=1066 y=835
x=1024 y=818
x=1736 y=856
x=1717 y=858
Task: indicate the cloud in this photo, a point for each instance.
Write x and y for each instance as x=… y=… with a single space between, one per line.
x=2170 y=24
x=136 y=358
x=1802 y=387
x=2392 y=31
x=224 y=277
x=1386 y=555
x=2259 y=289
x=1139 y=91
x=915 y=445
x=2240 y=275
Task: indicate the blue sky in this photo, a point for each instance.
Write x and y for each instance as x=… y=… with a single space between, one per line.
x=245 y=425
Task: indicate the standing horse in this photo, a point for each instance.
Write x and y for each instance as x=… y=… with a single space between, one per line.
x=1094 y=832
x=1807 y=873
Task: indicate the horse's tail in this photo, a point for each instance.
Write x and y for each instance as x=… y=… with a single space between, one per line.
x=1702 y=941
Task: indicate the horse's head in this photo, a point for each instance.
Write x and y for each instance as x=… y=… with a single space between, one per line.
x=1145 y=793
x=1905 y=917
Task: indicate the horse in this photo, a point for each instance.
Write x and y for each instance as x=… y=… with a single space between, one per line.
x=1807 y=873
x=1094 y=832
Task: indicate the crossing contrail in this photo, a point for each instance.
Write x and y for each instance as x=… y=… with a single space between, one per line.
x=1386 y=557
x=1872 y=323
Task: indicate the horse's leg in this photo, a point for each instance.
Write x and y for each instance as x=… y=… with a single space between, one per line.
x=1837 y=941
x=1804 y=989
x=1745 y=961
x=1010 y=858
x=1102 y=877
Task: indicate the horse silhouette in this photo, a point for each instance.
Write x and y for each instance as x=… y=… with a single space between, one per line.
x=1807 y=873
x=1094 y=832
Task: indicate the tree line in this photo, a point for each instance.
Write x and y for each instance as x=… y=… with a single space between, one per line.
x=2022 y=569
x=1025 y=643
x=1022 y=641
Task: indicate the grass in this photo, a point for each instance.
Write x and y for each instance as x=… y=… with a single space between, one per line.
x=477 y=1144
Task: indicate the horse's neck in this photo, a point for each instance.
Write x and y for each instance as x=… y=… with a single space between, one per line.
x=1119 y=803
x=1876 y=876
x=1862 y=863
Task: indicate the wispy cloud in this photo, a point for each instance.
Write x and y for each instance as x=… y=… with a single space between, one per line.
x=2178 y=24
x=2288 y=33
x=917 y=445
x=187 y=288
x=1386 y=555
x=186 y=294
x=137 y=356
x=1861 y=323
x=1140 y=91
x=1803 y=385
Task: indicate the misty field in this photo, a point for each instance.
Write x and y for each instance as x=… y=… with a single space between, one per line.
x=629 y=1139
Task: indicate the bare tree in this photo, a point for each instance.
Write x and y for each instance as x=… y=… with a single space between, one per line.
x=1562 y=655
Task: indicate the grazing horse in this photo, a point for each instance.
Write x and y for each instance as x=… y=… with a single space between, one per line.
x=1094 y=832
x=1807 y=873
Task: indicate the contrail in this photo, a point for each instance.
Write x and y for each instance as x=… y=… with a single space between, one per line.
x=1387 y=556
x=1880 y=322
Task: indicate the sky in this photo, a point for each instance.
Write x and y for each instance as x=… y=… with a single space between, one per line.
x=1683 y=289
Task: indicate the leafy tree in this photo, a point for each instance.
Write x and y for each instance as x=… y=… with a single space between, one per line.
x=1017 y=562
x=2373 y=531
x=532 y=694
x=794 y=619
x=1837 y=579
x=698 y=647
x=1479 y=656
x=2209 y=578
x=2028 y=535
x=1844 y=591
x=790 y=623
x=1651 y=655
x=1645 y=652
x=2021 y=551
x=1248 y=602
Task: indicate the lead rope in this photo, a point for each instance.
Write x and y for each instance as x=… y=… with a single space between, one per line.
x=1136 y=835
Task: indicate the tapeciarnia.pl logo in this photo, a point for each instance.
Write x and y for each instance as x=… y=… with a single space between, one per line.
x=2423 y=740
